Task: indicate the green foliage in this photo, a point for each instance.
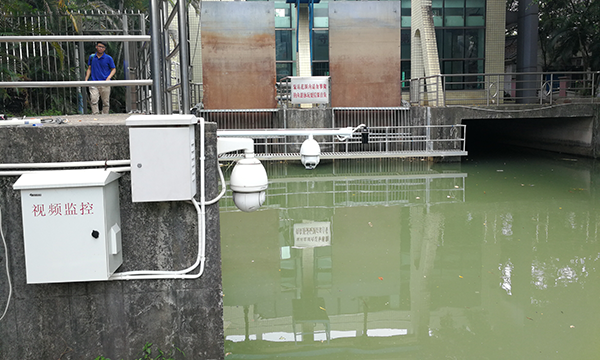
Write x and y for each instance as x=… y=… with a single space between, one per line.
x=48 y=112
x=146 y=354
x=570 y=29
x=29 y=6
x=57 y=61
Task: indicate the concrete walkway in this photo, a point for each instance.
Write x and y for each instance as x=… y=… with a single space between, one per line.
x=110 y=119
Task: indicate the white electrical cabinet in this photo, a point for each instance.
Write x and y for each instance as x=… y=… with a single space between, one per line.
x=71 y=225
x=163 y=159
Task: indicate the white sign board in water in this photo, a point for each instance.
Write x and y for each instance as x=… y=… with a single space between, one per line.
x=310 y=90
x=313 y=234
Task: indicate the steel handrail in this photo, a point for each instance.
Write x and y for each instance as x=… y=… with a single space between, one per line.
x=65 y=84
x=72 y=38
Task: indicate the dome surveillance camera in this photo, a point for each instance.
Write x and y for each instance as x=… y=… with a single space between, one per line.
x=309 y=153
x=248 y=182
x=248 y=202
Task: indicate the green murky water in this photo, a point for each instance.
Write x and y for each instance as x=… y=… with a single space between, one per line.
x=492 y=258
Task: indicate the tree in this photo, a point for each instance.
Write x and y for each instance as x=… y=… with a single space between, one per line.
x=568 y=30
x=27 y=6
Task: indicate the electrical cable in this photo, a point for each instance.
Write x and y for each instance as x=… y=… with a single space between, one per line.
x=7 y=268
x=201 y=259
x=173 y=274
x=223 y=188
x=344 y=137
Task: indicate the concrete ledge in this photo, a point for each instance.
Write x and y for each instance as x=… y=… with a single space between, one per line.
x=567 y=128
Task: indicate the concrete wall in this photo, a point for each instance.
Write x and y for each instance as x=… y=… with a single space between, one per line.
x=308 y=119
x=111 y=318
x=567 y=128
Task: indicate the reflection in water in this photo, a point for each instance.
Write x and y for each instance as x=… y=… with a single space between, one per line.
x=372 y=259
x=506 y=270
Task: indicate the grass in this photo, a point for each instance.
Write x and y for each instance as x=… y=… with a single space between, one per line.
x=146 y=354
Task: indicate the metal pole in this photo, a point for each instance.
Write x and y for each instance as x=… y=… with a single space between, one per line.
x=527 y=43
x=82 y=65
x=184 y=57
x=155 y=60
x=65 y=84
x=73 y=38
x=126 y=62
x=166 y=62
x=142 y=69
x=428 y=130
x=345 y=132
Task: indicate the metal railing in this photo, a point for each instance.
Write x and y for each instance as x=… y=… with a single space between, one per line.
x=170 y=57
x=361 y=190
x=161 y=56
x=391 y=133
x=542 y=88
x=197 y=94
x=407 y=141
x=51 y=66
x=244 y=119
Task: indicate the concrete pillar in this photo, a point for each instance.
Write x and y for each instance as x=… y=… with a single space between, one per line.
x=425 y=61
x=527 y=52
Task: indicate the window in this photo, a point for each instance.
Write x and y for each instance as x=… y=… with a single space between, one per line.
x=283 y=45
x=320 y=65
x=283 y=15
x=284 y=53
x=320 y=39
x=321 y=15
x=285 y=40
x=454 y=13
x=320 y=45
x=405 y=13
x=460 y=33
x=405 y=53
x=475 y=13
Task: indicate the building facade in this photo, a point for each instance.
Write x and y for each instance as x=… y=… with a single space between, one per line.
x=369 y=48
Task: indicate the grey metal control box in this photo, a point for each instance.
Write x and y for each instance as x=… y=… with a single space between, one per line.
x=163 y=159
x=71 y=225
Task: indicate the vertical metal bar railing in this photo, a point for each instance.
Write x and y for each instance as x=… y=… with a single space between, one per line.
x=56 y=59
x=506 y=88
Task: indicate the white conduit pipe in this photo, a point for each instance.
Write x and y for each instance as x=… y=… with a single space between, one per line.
x=7 y=269
x=200 y=209
x=223 y=188
x=21 y=172
x=18 y=169
x=72 y=164
x=174 y=274
x=201 y=259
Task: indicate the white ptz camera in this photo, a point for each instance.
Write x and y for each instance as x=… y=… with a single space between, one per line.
x=309 y=153
x=248 y=182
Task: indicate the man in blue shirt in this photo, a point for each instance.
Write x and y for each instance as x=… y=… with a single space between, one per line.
x=101 y=67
